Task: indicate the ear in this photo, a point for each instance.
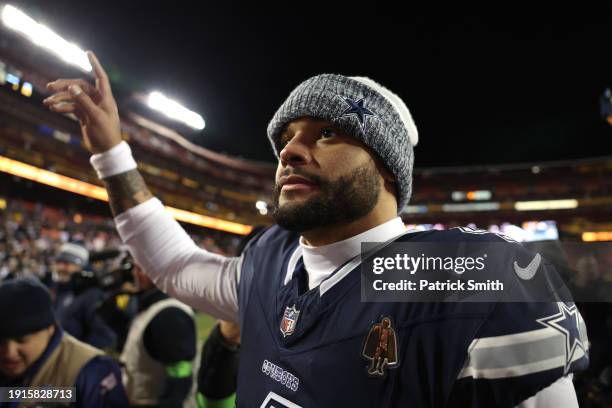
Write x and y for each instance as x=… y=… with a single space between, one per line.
x=387 y=175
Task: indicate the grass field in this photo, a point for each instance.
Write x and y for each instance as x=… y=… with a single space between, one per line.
x=204 y=324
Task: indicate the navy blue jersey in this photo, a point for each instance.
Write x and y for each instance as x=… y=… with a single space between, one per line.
x=324 y=347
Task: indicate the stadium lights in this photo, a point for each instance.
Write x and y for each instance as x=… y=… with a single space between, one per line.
x=545 y=205
x=13 y=80
x=492 y=206
x=41 y=35
x=598 y=236
x=44 y=37
x=27 y=171
x=262 y=206
x=415 y=209
x=26 y=89
x=175 y=110
x=480 y=195
x=49 y=178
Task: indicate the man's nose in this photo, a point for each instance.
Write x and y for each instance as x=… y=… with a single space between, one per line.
x=295 y=153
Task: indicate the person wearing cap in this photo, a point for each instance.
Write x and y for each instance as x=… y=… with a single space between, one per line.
x=345 y=150
x=77 y=297
x=36 y=352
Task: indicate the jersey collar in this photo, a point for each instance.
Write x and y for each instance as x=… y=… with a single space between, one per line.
x=322 y=261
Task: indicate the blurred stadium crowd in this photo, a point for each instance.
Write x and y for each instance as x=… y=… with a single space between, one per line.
x=96 y=294
x=32 y=233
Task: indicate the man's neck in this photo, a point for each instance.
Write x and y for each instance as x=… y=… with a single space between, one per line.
x=338 y=232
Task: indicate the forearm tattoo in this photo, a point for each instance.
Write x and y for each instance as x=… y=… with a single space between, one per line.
x=126 y=190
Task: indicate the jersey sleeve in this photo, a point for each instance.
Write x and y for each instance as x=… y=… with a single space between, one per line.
x=521 y=349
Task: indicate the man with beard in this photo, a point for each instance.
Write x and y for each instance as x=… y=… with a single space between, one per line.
x=345 y=148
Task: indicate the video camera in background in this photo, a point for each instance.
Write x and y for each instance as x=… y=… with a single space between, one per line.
x=115 y=278
x=114 y=266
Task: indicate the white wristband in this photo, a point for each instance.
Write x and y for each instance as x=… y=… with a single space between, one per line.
x=117 y=159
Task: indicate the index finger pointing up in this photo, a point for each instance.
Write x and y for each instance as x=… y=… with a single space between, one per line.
x=105 y=88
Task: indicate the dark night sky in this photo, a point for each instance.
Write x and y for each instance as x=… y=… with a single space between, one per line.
x=481 y=90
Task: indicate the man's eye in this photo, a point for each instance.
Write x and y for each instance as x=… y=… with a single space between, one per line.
x=283 y=141
x=327 y=132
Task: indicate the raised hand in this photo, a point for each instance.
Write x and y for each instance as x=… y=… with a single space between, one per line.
x=95 y=107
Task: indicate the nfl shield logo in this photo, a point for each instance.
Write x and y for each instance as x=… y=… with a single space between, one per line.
x=289 y=321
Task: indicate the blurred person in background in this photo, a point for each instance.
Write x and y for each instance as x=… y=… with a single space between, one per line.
x=36 y=352
x=121 y=305
x=160 y=348
x=77 y=297
x=218 y=373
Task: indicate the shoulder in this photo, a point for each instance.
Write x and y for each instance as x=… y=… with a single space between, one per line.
x=171 y=317
x=99 y=371
x=274 y=236
x=170 y=313
x=265 y=259
x=78 y=351
x=270 y=250
x=99 y=364
x=457 y=234
x=500 y=249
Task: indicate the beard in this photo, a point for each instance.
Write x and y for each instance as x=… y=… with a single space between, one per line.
x=344 y=200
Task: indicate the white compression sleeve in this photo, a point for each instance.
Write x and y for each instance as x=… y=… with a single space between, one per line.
x=560 y=394
x=203 y=280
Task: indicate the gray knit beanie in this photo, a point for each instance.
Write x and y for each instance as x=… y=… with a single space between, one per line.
x=363 y=108
x=73 y=253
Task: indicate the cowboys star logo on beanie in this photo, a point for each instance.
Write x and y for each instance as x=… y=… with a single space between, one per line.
x=358 y=109
x=363 y=108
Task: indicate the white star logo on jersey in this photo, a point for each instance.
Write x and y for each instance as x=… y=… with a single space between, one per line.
x=565 y=321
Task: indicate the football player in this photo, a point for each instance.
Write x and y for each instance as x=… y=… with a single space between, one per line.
x=345 y=150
